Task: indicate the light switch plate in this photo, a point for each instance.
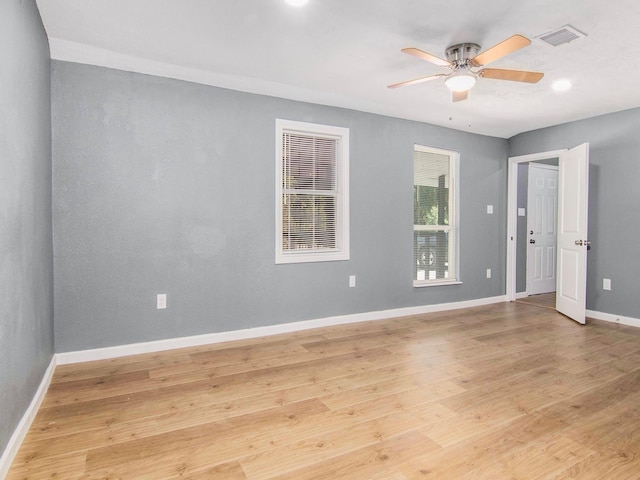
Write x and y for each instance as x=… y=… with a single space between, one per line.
x=606 y=284
x=161 y=301
x=352 y=280
x=490 y=209
x=522 y=212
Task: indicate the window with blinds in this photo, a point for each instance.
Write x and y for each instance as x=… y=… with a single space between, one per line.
x=434 y=216
x=312 y=192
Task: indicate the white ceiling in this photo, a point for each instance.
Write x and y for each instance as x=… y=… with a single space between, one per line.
x=345 y=52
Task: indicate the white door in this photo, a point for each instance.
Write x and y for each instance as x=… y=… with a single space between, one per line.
x=571 y=285
x=542 y=202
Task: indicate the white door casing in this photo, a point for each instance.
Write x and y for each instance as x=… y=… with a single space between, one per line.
x=573 y=191
x=542 y=201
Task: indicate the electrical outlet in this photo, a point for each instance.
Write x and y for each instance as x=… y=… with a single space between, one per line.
x=488 y=273
x=606 y=284
x=161 y=301
x=352 y=281
x=490 y=209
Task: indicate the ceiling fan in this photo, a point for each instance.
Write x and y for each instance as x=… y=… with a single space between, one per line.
x=463 y=59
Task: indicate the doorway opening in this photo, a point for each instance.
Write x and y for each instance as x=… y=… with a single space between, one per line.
x=517 y=209
x=537 y=222
x=572 y=220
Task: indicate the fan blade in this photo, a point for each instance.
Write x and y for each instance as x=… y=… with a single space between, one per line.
x=505 y=47
x=457 y=96
x=426 y=56
x=416 y=80
x=513 y=75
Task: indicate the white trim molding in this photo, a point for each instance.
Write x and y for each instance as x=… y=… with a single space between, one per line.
x=21 y=430
x=210 y=338
x=609 y=317
x=68 y=51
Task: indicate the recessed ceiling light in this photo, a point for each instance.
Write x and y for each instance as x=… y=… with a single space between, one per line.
x=297 y=3
x=561 y=85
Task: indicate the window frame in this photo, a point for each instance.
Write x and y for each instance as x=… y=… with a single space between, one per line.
x=341 y=134
x=454 y=218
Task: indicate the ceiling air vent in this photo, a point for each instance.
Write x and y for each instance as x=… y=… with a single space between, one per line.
x=561 y=36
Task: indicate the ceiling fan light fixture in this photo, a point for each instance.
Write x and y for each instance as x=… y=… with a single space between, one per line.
x=460 y=81
x=462 y=61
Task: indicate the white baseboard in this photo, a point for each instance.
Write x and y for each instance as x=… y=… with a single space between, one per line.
x=209 y=338
x=609 y=317
x=21 y=430
x=521 y=295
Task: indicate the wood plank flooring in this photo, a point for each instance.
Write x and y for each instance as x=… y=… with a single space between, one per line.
x=506 y=391
x=547 y=300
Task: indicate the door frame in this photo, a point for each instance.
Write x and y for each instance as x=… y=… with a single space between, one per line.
x=512 y=213
x=544 y=167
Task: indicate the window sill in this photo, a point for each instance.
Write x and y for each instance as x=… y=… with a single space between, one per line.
x=437 y=284
x=311 y=257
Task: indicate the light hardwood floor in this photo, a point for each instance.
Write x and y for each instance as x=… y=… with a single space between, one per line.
x=547 y=300
x=506 y=391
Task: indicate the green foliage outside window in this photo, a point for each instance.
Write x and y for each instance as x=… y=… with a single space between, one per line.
x=426 y=206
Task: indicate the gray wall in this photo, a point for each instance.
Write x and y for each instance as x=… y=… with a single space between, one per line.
x=614 y=201
x=26 y=269
x=521 y=247
x=164 y=186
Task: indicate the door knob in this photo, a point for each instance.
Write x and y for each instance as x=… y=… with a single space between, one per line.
x=532 y=241
x=578 y=242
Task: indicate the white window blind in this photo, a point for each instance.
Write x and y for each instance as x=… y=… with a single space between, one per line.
x=434 y=229
x=312 y=193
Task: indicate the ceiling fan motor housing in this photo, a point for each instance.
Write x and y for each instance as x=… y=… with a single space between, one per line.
x=459 y=55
